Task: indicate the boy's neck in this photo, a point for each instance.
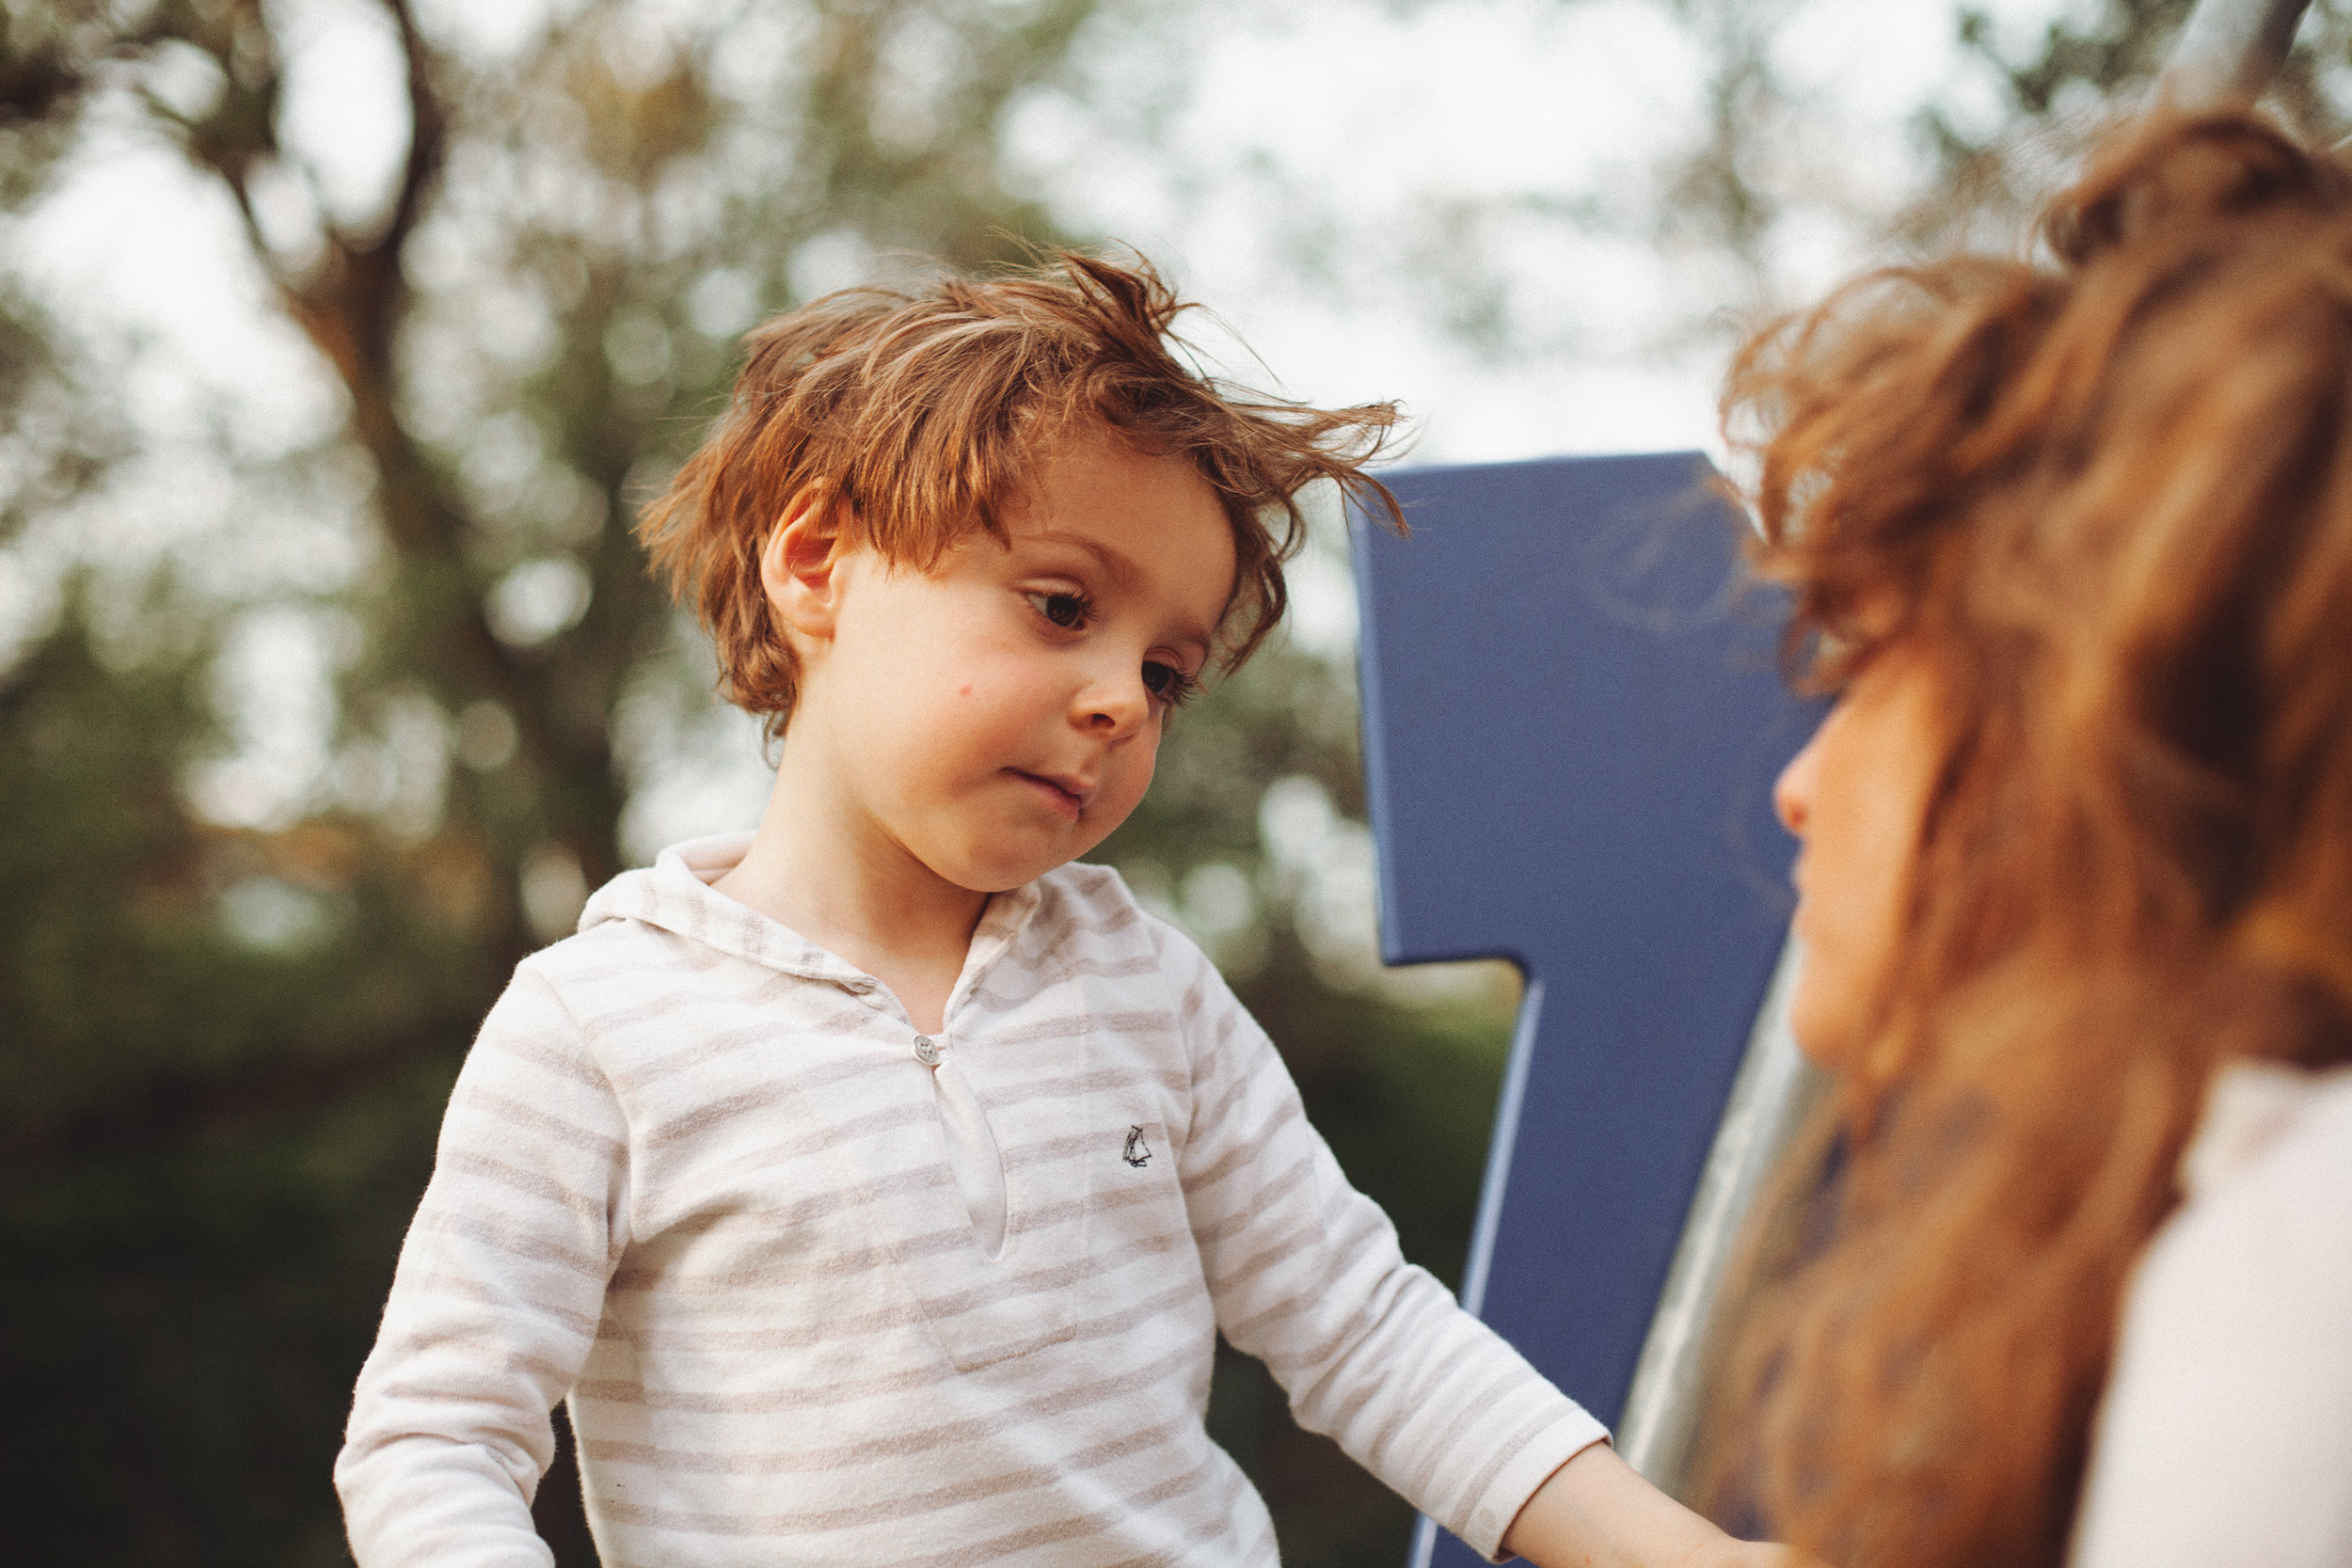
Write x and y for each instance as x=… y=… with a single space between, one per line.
x=814 y=867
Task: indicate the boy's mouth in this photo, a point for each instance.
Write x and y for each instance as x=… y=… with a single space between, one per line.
x=1068 y=796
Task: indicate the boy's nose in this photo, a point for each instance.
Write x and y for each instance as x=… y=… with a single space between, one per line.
x=1116 y=704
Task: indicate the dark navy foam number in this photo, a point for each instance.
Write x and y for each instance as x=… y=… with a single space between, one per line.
x=1572 y=718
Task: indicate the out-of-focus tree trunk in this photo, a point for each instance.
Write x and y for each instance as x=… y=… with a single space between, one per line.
x=212 y=1133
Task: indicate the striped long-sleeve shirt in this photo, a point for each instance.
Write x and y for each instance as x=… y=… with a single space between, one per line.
x=703 y=1179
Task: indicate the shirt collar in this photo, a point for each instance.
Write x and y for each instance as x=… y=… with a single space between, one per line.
x=675 y=895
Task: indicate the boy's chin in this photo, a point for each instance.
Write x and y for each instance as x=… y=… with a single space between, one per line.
x=1003 y=873
x=991 y=873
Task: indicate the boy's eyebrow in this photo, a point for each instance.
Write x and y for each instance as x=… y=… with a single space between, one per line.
x=1122 y=569
x=1115 y=560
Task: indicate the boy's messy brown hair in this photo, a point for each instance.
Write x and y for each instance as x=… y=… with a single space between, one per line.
x=921 y=417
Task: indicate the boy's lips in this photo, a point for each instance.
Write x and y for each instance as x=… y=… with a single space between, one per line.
x=1066 y=793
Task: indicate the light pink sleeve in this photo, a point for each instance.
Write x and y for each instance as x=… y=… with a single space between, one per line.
x=1307 y=1276
x=496 y=1302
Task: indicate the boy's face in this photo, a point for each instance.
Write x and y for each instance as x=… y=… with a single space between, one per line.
x=998 y=716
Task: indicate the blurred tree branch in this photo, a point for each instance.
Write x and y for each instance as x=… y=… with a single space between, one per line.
x=171 y=1081
x=215 y=1129
x=2066 y=84
x=1716 y=197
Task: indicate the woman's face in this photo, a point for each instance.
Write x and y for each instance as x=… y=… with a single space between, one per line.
x=1857 y=796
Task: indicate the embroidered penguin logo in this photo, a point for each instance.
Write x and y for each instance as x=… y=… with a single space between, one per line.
x=1137 y=1153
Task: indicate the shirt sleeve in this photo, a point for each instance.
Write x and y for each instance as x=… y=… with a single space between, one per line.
x=494 y=1303
x=2226 y=1432
x=1306 y=1274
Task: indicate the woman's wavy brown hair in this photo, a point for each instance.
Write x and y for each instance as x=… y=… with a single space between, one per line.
x=922 y=415
x=2108 y=496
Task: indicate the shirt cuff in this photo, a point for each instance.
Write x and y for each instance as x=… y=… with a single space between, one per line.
x=1492 y=1516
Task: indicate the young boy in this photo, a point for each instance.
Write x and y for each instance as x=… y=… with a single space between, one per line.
x=874 y=1185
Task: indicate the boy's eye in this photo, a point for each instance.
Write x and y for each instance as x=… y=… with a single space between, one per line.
x=1067 y=611
x=1168 y=684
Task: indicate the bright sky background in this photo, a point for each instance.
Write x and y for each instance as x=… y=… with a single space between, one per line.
x=1361 y=113
x=1369 y=115
x=1285 y=162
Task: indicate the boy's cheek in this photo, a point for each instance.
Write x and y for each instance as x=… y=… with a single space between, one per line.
x=1110 y=812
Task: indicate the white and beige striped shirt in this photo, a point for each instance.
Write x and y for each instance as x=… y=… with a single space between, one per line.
x=703 y=1179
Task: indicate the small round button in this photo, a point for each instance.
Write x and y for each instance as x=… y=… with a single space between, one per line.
x=927 y=1050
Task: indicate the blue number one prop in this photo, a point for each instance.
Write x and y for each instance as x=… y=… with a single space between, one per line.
x=1572 y=718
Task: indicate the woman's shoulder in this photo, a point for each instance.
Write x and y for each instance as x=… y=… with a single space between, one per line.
x=2266 y=1125
x=2226 y=1432
x=2262 y=1244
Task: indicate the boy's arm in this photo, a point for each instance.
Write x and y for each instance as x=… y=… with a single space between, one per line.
x=1307 y=1276
x=496 y=1302
x=1597 y=1512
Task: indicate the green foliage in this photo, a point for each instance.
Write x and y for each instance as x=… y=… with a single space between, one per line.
x=2126 y=42
x=2061 y=88
x=207 y=1156
x=226 y=1047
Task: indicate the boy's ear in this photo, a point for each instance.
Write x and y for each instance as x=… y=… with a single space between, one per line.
x=798 y=566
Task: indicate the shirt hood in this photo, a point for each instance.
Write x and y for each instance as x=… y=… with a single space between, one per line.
x=674 y=894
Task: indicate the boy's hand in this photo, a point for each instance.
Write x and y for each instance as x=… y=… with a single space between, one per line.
x=1597 y=1512
x=1727 y=1553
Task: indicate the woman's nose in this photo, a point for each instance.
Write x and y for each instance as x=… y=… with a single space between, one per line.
x=1792 y=792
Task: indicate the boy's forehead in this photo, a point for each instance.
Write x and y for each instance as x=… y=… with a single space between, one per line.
x=1102 y=481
